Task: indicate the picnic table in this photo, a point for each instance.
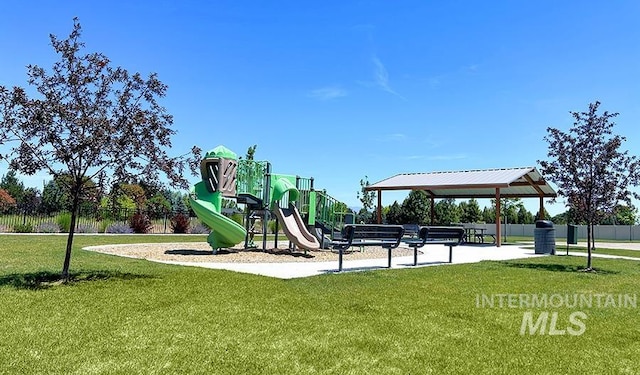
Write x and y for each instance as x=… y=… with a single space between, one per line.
x=477 y=234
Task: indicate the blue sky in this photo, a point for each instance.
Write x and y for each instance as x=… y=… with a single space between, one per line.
x=339 y=90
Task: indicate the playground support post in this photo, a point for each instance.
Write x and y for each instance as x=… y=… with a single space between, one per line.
x=267 y=201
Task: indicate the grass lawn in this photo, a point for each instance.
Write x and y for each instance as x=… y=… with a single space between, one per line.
x=127 y=316
x=598 y=250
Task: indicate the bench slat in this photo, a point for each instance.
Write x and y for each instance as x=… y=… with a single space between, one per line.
x=387 y=236
x=390 y=237
x=448 y=236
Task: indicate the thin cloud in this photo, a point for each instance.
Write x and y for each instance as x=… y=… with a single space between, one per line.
x=381 y=77
x=448 y=157
x=328 y=93
x=472 y=68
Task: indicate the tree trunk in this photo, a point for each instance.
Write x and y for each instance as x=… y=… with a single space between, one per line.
x=72 y=228
x=589 y=241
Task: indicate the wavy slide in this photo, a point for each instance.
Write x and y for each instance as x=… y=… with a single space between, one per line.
x=224 y=231
x=295 y=228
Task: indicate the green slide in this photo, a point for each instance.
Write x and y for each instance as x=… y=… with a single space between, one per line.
x=224 y=231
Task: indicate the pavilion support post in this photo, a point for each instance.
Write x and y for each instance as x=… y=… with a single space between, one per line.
x=433 y=210
x=541 y=211
x=379 y=209
x=498 y=227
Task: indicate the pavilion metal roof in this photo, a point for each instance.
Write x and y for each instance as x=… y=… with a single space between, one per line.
x=513 y=183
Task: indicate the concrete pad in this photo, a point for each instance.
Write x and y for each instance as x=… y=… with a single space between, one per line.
x=432 y=255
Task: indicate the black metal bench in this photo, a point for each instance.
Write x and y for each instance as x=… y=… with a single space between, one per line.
x=448 y=236
x=386 y=236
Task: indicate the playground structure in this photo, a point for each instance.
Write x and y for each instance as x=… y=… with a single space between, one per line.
x=310 y=219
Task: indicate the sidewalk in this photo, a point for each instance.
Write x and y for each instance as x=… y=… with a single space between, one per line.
x=432 y=255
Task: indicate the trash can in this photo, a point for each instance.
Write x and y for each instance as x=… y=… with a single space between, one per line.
x=544 y=237
x=349 y=218
x=572 y=234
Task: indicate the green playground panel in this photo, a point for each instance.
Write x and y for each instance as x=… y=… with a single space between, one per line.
x=250 y=178
x=255 y=178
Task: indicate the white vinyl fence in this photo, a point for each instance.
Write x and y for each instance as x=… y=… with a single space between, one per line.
x=601 y=232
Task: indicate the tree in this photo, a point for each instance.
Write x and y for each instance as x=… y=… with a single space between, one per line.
x=91 y=120
x=56 y=196
x=6 y=201
x=489 y=214
x=588 y=169
x=136 y=193
x=340 y=207
x=508 y=208
x=366 y=197
x=31 y=199
x=470 y=211
x=622 y=215
x=179 y=202
x=151 y=188
x=13 y=186
x=251 y=152
x=365 y=217
x=394 y=214
x=158 y=206
x=447 y=212
x=123 y=200
x=416 y=208
x=524 y=216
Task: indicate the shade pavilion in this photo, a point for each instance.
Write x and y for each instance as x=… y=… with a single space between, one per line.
x=525 y=182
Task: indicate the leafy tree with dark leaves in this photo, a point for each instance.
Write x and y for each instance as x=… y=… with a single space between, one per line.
x=90 y=121
x=589 y=170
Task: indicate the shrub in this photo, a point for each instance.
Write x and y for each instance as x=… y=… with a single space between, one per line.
x=200 y=229
x=272 y=226
x=180 y=223
x=64 y=221
x=6 y=200
x=23 y=228
x=48 y=227
x=104 y=225
x=140 y=223
x=238 y=218
x=86 y=228
x=119 y=228
x=4 y=229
